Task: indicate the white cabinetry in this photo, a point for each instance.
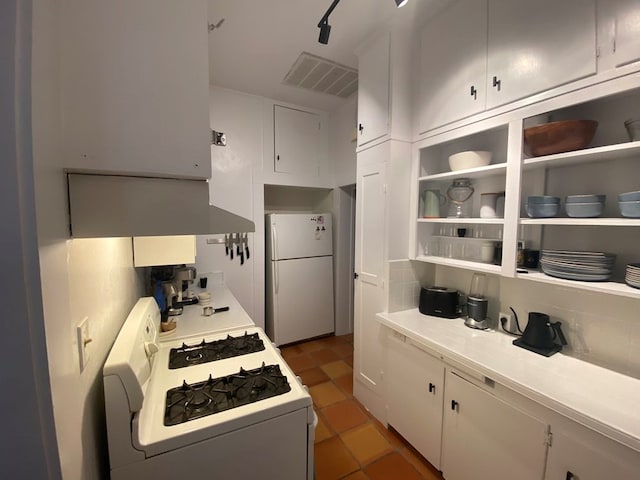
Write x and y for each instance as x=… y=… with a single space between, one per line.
x=503 y=50
x=415 y=392
x=453 y=67
x=135 y=87
x=534 y=49
x=626 y=17
x=577 y=453
x=373 y=90
x=297 y=141
x=485 y=437
x=606 y=166
x=384 y=88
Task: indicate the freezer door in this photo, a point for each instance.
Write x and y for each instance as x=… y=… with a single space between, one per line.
x=302 y=299
x=299 y=235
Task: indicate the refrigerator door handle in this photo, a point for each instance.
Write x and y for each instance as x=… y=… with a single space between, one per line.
x=274 y=249
x=274 y=242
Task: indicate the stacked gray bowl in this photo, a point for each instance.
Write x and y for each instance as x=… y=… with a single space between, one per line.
x=542 y=206
x=584 y=206
x=629 y=204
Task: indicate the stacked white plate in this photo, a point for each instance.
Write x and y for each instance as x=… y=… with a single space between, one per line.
x=632 y=277
x=582 y=266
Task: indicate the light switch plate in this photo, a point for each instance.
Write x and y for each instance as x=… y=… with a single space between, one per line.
x=84 y=341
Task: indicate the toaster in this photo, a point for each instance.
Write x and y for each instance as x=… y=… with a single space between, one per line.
x=439 y=302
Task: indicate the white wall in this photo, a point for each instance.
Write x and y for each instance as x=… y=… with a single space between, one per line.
x=237 y=185
x=91 y=278
x=231 y=187
x=28 y=440
x=600 y=329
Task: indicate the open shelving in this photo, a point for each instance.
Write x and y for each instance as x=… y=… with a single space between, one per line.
x=609 y=166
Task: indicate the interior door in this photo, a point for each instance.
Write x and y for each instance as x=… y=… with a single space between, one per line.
x=369 y=263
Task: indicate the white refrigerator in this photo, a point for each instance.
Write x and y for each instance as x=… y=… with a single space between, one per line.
x=299 y=276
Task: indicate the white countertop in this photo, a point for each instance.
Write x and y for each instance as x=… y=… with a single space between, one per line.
x=602 y=399
x=192 y=322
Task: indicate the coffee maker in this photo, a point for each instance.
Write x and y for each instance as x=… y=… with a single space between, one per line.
x=477 y=303
x=175 y=281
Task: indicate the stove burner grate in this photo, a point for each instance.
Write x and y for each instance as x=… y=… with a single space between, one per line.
x=205 y=352
x=188 y=402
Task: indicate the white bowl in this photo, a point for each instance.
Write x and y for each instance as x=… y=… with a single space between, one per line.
x=470 y=159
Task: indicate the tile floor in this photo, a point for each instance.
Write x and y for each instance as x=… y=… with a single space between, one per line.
x=350 y=443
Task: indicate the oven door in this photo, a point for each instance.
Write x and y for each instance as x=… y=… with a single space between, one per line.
x=276 y=448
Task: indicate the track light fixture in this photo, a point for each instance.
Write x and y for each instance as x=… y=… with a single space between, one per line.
x=325 y=28
x=323 y=24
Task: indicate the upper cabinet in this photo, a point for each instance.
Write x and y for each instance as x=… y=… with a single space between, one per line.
x=626 y=18
x=502 y=51
x=373 y=90
x=534 y=49
x=453 y=67
x=297 y=141
x=295 y=146
x=135 y=87
x=384 y=88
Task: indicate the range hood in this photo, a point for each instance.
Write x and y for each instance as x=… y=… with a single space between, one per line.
x=128 y=206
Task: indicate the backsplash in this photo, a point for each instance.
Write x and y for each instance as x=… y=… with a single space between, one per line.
x=600 y=329
x=405 y=279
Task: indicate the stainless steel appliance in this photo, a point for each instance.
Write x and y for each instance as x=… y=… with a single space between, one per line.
x=215 y=404
x=477 y=303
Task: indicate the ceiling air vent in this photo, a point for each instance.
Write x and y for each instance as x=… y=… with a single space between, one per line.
x=322 y=75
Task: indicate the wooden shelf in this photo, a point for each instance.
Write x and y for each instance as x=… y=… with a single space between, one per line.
x=597 y=154
x=464 y=221
x=601 y=222
x=454 y=262
x=470 y=173
x=612 y=288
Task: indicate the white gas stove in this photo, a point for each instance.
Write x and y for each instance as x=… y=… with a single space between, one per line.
x=241 y=414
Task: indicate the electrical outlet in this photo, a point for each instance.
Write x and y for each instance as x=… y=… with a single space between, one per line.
x=84 y=341
x=505 y=322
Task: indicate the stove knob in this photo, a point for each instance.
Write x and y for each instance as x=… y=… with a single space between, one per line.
x=150 y=348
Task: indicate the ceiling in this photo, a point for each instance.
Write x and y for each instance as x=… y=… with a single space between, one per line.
x=255 y=42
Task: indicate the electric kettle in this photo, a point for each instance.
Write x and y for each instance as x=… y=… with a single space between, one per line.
x=540 y=334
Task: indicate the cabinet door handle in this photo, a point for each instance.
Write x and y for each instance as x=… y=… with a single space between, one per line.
x=570 y=476
x=474 y=92
x=278 y=157
x=455 y=405
x=496 y=83
x=360 y=127
x=432 y=388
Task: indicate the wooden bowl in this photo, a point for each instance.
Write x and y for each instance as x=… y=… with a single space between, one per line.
x=559 y=137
